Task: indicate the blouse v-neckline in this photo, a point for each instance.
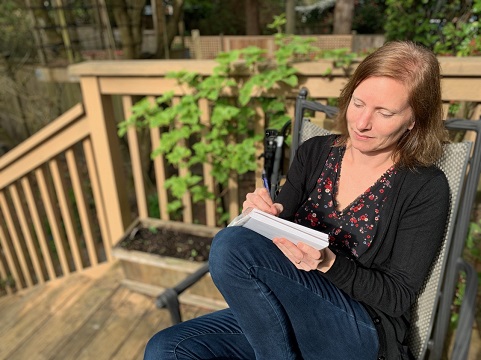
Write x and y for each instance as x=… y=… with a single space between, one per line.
x=365 y=193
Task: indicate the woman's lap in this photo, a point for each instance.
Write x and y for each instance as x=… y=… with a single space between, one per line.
x=282 y=312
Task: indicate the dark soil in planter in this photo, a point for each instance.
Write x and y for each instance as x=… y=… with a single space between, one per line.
x=167 y=242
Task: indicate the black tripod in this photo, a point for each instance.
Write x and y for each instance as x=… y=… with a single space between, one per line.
x=274 y=142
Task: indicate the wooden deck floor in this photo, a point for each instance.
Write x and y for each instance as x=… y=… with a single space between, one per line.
x=89 y=315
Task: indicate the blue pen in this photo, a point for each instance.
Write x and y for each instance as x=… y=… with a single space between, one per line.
x=266 y=183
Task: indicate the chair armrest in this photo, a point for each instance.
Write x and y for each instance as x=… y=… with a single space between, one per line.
x=170 y=297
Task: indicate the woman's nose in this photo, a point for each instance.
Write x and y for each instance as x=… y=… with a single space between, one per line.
x=363 y=121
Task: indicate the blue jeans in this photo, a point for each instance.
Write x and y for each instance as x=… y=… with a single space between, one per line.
x=275 y=311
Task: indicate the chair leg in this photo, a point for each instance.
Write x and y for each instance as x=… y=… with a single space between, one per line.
x=169 y=299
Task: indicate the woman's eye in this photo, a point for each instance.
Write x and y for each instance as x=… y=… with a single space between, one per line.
x=358 y=105
x=386 y=115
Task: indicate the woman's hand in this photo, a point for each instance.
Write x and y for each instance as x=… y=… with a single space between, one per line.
x=260 y=199
x=305 y=257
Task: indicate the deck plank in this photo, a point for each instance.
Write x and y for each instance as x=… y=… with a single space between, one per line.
x=27 y=320
x=149 y=323
x=11 y=302
x=117 y=328
x=63 y=321
x=35 y=301
x=74 y=317
x=93 y=327
x=90 y=315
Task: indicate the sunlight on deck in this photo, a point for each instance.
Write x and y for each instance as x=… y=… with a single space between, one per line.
x=89 y=315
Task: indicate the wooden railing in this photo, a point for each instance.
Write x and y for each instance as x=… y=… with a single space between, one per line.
x=48 y=227
x=68 y=193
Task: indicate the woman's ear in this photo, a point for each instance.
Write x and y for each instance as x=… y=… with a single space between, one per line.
x=411 y=125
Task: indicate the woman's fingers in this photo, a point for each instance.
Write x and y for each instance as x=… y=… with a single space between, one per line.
x=310 y=251
x=303 y=256
x=261 y=199
x=290 y=250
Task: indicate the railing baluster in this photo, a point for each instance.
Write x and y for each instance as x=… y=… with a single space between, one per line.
x=84 y=213
x=3 y=271
x=27 y=235
x=66 y=211
x=12 y=229
x=39 y=230
x=53 y=219
x=209 y=181
x=135 y=159
x=5 y=245
x=100 y=207
x=187 y=214
x=159 y=172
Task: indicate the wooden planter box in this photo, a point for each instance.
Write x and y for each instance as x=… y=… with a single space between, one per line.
x=151 y=274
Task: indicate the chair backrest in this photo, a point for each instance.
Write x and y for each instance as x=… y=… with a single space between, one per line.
x=454 y=163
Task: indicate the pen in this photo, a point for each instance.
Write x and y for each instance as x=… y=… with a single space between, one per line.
x=266 y=183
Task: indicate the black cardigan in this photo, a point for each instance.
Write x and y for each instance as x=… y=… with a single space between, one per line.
x=387 y=277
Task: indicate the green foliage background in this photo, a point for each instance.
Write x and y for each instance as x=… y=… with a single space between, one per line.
x=228 y=142
x=450 y=29
x=15 y=32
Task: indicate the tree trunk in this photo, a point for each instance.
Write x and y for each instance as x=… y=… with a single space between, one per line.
x=164 y=41
x=343 y=13
x=290 y=16
x=129 y=25
x=160 y=28
x=73 y=35
x=51 y=40
x=122 y=22
x=252 y=17
x=136 y=25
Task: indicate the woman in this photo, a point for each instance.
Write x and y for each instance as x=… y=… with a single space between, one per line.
x=375 y=191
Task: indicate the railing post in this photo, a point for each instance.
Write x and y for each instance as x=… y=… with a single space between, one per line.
x=108 y=161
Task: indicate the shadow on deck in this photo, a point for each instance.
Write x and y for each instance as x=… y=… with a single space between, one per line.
x=89 y=315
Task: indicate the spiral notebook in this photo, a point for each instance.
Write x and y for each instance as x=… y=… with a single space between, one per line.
x=272 y=227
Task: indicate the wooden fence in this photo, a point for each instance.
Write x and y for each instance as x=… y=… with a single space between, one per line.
x=68 y=193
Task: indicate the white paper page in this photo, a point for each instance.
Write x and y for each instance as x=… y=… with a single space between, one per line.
x=272 y=227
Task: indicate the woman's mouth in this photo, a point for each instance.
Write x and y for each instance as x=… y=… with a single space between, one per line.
x=361 y=136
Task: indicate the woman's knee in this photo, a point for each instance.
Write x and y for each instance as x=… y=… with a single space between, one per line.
x=158 y=347
x=224 y=236
x=222 y=248
x=232 y=248
x=226 y=243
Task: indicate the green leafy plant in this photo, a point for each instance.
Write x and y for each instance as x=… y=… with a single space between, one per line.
x=450 y=29
x=342 y=58
x=153 y=229
x=473 y=242
x=409 y=20
x=242 y=79
x=461 y=35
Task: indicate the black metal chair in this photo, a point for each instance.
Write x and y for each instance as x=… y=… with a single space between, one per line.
x=431 y=313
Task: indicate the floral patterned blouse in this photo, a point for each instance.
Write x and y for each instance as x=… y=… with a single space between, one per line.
x=353 y=229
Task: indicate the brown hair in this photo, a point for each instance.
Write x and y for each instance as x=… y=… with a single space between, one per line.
x=419 y=70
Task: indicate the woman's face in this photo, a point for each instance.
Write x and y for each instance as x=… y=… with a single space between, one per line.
x=378 y=115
